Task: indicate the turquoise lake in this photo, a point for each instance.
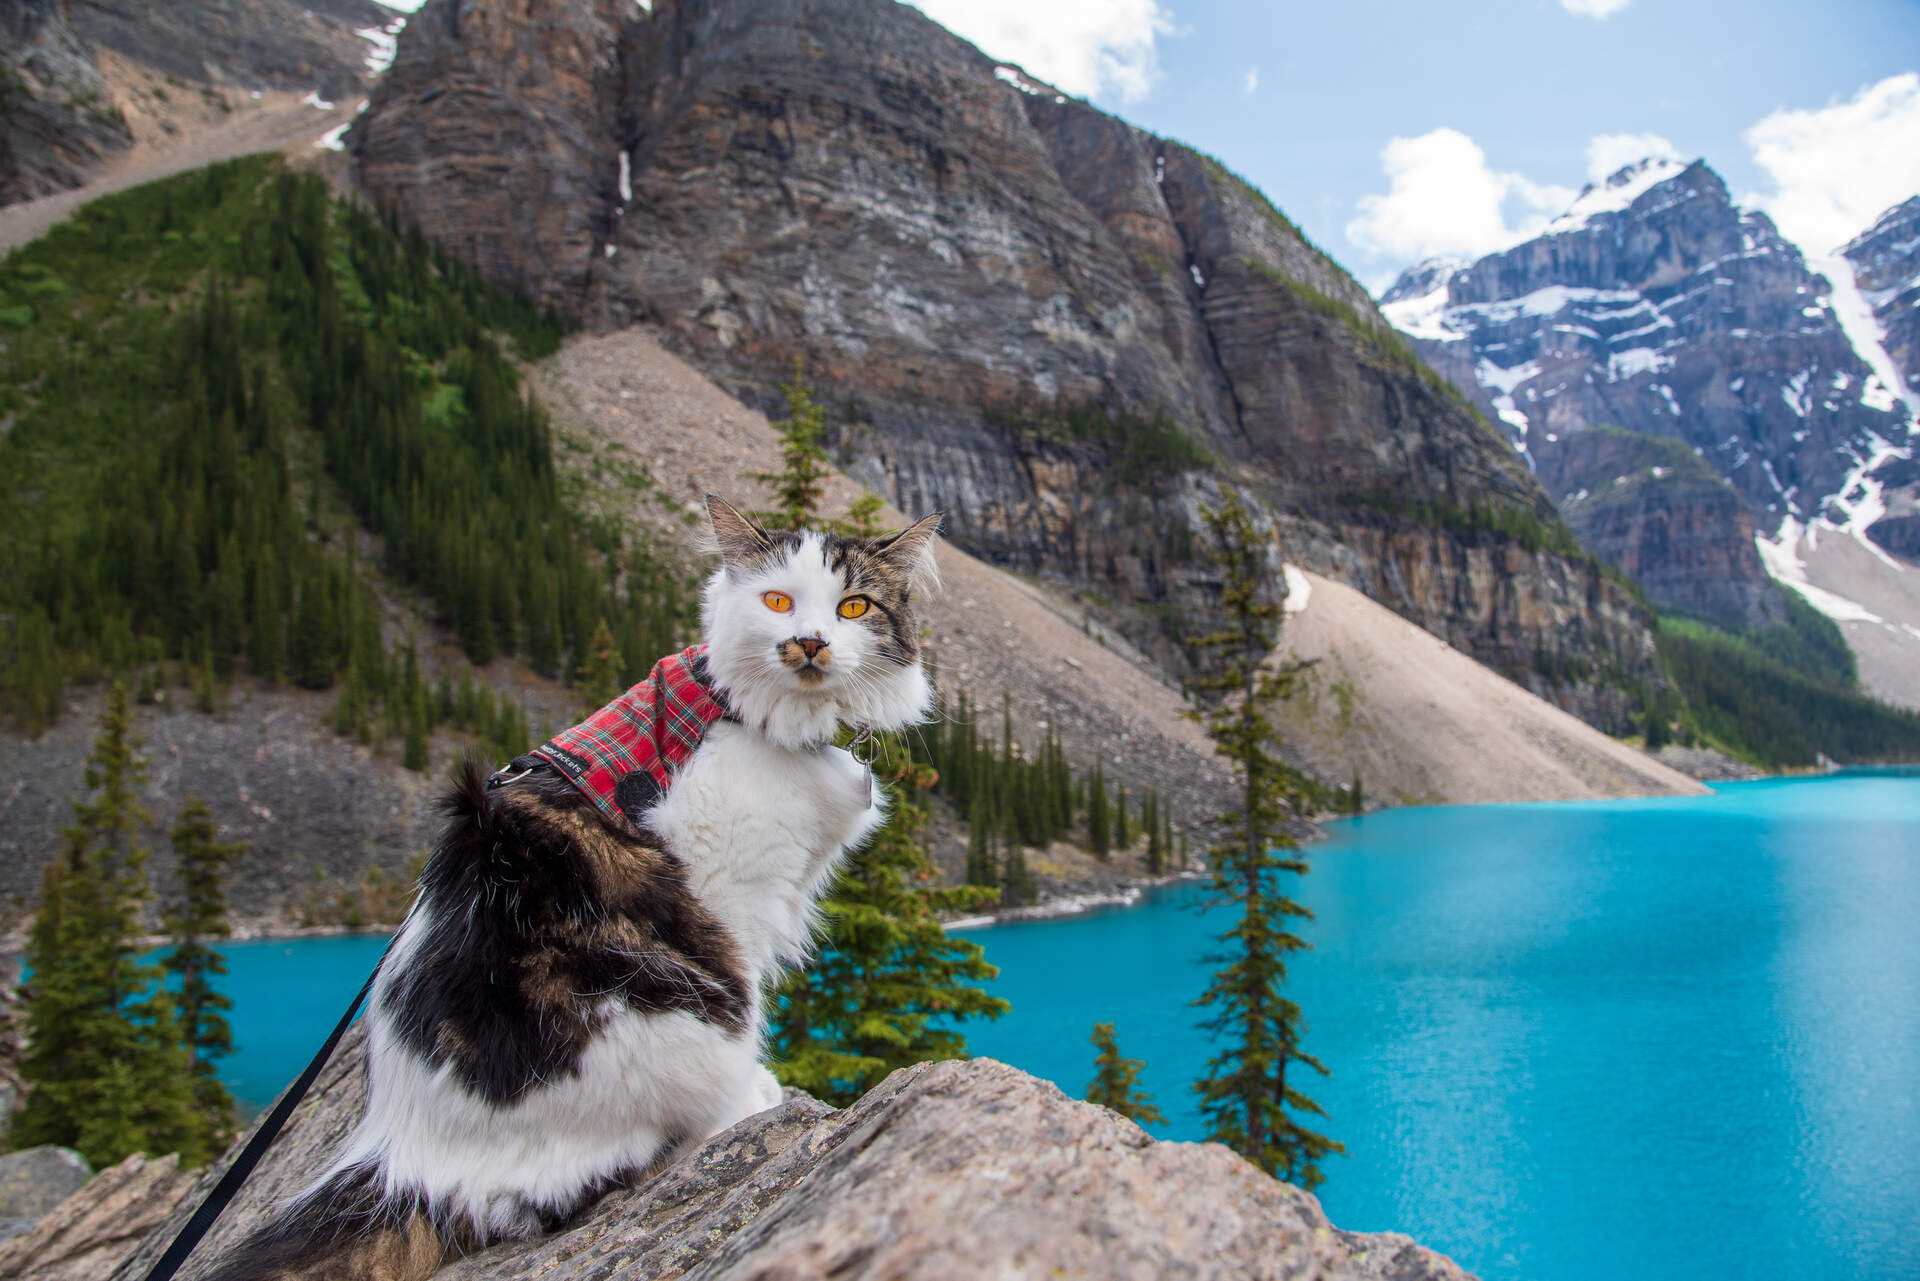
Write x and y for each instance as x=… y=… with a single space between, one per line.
x=1646 y=1039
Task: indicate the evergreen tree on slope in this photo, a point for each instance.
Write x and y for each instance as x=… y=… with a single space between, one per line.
x=1247 y=1098
x=201 y=914
x=105 y=1067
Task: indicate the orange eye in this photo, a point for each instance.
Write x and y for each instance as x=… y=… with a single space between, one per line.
x=778 y=602
x=854 y=606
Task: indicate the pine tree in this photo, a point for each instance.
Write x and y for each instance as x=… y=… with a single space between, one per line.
x=1099 y=834
x=201 y=914
x=1246 y=1097
x=801 y=481
x=890 y=980
x=1115 y=1081
x=414 y=751
x=105 y=1067
x=599 y=674
x=1122 y=835
x=980 y=869
x=1150 y=819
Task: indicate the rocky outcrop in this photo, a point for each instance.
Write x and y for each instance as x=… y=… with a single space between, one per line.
x=244 y=44
x=944 y=1170
x=87 y=1235
x=66 y=116
x=1886 y=266
x=60 y=118
x=1898 y=529
x=1658 y=305
x=1653 y=508
x=34 y=1181
x=1063 y=330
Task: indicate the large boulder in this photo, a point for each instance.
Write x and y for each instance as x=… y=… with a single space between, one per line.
x=945 y=1170
x=34 y=1181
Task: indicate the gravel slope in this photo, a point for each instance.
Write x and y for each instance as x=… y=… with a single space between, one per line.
x=1422 y=723
x=1886 y=643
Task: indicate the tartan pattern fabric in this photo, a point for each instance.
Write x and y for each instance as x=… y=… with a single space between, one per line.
x=653 y=727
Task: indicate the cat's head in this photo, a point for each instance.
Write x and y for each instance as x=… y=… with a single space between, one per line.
x=806 y=631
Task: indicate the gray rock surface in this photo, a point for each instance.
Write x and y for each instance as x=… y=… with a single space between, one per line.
x=1655 y=509
x=315 y=809
x=34 y=1181
x=967 y=1169
x=61 y=121
x=1706 y=764
x=86 y=1236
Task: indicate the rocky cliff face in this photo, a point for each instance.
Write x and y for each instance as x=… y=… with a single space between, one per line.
x=64 y=119
x=1657 y=305
x=943 y=1170
x=60 y=118
x=1063 y=330
x=1886 y=267
x=1651 y=506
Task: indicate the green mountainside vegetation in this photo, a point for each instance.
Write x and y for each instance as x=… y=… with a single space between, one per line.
x=1781 y=696
x=222 y=394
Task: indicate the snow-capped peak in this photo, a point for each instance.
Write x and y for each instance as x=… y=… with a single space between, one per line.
x=1621 y=189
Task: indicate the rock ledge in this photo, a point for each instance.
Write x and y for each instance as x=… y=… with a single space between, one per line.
x=945 y=1170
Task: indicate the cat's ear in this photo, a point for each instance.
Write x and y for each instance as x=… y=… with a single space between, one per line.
x=910 y=552
x=737 y=538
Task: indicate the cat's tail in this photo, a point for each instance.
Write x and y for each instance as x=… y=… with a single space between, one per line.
x=344 y=1229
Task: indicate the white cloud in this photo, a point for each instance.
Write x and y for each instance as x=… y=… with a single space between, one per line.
x=1444 y=199
x=1085 y=47
x=1837 y=168
x=1608 y=153
x=1599 y=10
x=1252 y=81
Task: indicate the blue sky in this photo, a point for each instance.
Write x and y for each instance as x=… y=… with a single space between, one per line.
x=1811 y=110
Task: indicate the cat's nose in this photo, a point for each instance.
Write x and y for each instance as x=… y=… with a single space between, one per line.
x=810 y=645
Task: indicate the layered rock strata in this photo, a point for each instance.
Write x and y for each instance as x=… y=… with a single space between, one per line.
x=1658 y=305
x=1652 y=507
x=1063 y=330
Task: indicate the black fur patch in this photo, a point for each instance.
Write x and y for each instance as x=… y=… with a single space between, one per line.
x=538 y=912
x=343 y=1230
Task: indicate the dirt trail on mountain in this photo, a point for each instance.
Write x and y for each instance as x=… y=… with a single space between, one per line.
x=279 y=121
x=1422 y=723
x=1430 y=724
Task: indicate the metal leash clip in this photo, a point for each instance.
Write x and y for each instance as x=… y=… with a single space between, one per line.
x=865 y=736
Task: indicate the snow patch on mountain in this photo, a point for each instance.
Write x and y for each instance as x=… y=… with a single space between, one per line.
x=1854 y=310
x=1781 y=555
x=385 y=41
x=1618 y=192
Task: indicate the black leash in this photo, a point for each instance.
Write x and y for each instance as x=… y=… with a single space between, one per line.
x=210 y=1209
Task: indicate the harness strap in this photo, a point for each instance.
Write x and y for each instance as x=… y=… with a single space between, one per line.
x=237 y=1173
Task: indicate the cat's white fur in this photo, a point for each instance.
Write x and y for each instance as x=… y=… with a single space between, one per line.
x=760 y=815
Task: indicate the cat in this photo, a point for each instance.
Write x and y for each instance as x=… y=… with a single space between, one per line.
x=576 y=995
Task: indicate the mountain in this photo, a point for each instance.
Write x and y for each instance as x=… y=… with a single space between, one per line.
x=1674 y=525
x=1885 y=264
x=1067 y=332
x=1657 y=306
x=83 y=81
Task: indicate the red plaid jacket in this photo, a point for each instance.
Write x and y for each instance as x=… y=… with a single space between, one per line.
x=624 y=756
